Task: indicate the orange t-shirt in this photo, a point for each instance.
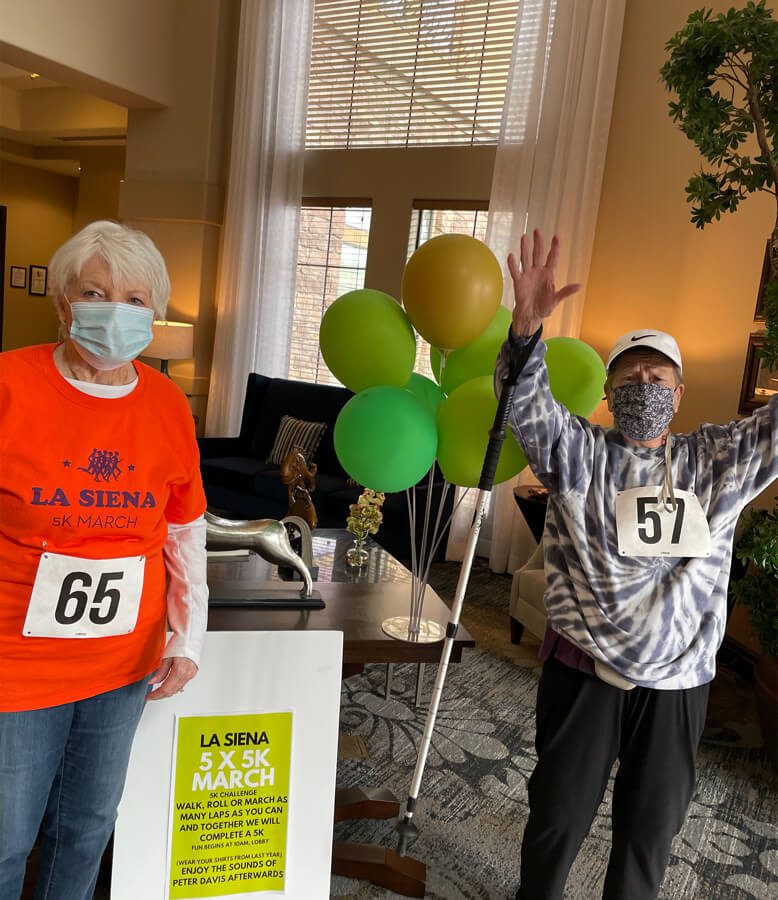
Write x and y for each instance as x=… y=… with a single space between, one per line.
x=92 y=478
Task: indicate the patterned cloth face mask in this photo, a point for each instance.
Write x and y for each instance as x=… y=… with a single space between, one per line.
x=108 y=335
x=643 y=411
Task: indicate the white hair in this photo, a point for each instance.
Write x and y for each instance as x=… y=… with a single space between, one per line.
x=131 y=256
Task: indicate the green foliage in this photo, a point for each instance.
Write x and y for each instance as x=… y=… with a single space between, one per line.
x=769 y=352
x=724 y=71
x=365 y=515
x=757 y=546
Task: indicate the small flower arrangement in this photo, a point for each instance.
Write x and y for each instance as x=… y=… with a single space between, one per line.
x=365 y=515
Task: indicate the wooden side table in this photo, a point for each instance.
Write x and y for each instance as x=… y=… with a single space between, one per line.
x=532 y=501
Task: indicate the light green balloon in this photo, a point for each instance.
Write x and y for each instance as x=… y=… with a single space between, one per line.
x=576 y=374
x=366 y=340
x=464 y=419
x=385 y=438
x=426 y=391
x=479 y=356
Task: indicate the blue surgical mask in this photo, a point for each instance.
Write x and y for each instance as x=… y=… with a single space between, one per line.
x=108 y=335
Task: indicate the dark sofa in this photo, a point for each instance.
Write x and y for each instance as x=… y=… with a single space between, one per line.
x=240 y=484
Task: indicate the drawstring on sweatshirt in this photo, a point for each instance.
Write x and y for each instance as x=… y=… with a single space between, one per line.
x=667 y=495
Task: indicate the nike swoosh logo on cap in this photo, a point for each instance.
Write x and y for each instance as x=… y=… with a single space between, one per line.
x=641 y=336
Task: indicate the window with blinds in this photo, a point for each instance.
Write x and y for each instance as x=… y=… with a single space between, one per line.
x=408 y=72
x=331 y=260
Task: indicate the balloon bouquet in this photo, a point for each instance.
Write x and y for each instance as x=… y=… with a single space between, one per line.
x=400 y=423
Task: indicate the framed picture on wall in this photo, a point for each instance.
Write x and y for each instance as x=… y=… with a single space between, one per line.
x=765 y=276
x=18 y=277
x=759 y=383
x=38 y=278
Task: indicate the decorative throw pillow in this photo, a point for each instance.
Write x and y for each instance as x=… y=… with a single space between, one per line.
x=296 y=433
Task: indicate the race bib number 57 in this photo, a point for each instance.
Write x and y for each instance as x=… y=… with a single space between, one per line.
x=84 y=598
x=647 y=526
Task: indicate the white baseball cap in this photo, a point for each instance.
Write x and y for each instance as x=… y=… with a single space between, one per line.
x=647 y=338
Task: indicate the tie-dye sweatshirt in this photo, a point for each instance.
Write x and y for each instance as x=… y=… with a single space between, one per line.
x=658 y=621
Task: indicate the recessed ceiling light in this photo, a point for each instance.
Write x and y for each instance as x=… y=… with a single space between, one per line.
x=34 y=75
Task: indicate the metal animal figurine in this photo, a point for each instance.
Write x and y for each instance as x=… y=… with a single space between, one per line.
x=300 y=480
x=266 y=537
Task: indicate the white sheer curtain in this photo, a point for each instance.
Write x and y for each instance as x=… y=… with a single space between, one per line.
x=548 y=174
x=257 y=272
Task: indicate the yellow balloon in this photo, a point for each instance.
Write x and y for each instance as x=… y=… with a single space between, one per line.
x=452 y=286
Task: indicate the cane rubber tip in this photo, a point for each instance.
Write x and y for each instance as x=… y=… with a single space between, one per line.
x=408 y=833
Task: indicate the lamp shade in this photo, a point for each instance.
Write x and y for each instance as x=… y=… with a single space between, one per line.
x=172 y=340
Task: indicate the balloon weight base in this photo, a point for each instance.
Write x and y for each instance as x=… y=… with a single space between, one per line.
x=399 y=627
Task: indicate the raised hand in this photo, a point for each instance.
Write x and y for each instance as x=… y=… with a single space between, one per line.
x=535 y=296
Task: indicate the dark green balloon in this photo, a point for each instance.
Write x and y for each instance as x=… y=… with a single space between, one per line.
x=576 y=374
x=385 y=438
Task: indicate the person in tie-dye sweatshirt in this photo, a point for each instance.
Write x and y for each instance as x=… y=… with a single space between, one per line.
x=638 y=546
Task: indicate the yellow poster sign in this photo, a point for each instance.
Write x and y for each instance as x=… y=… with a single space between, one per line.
x=228 y=819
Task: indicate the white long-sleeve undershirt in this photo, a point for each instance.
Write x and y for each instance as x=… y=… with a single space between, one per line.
x=187 y=590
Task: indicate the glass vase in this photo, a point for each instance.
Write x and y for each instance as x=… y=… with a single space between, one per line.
x=356 y=555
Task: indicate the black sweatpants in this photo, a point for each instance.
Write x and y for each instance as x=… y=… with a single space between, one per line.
x=583 y=726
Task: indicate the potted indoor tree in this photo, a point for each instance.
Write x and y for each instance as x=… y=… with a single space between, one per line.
x=757 y=547
x=724 y=72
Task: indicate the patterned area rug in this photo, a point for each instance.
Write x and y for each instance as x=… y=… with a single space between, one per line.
x=473 y=802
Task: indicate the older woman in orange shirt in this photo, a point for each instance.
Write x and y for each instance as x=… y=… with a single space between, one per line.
x=102 y=545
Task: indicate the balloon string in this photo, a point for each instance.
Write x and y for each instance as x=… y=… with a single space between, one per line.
x=426 y=552
x=431 y=545
x=415 y=616
x=447 y=523
x=414 y=561
x=423 y=549
x=423 y=556
x=412 y=522
x=443 y=358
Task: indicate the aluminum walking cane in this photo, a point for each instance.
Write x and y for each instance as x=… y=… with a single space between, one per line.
x=407 y=830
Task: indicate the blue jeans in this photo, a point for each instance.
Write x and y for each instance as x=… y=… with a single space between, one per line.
x=62 y=770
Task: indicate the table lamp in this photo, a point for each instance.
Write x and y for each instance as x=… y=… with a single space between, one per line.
x=172 y=340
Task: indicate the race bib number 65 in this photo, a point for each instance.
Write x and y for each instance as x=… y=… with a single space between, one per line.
x=84 y=598
x=647 y=526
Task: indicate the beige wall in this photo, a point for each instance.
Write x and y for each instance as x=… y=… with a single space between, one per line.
x=102 y=171
x=41 y=206
x=651 y=266
x=63 y=111
x=115 y=49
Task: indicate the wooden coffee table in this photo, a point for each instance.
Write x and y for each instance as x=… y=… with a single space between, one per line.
x=356 y=603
